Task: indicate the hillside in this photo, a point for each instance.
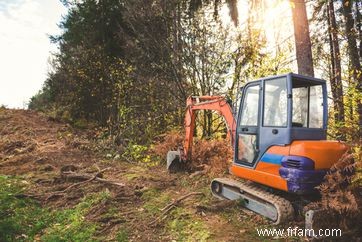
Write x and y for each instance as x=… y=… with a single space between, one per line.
x=51 y=180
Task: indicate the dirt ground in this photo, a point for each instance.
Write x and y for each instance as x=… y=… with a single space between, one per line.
x=60 y=167
x=89 y=194
x=67 y=172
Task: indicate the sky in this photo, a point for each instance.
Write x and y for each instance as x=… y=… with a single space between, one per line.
x=25 y=48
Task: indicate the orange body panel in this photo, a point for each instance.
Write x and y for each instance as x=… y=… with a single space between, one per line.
x=323 y=153
x=279 y=150
x=266 y=175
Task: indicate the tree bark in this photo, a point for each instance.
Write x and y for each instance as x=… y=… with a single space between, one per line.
x=353 y=54
x=359 y=25
x=303 y=44
x=336 y=76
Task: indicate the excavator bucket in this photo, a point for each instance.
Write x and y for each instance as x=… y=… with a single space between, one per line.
x=174 y=162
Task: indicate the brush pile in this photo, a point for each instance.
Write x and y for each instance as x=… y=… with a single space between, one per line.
x=341 y=195
x=213 y=156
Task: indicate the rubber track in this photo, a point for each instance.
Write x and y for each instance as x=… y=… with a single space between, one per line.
x=284 y=207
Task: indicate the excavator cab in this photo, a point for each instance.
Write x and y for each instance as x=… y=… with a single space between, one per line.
x=276 y=111
x=281 y=133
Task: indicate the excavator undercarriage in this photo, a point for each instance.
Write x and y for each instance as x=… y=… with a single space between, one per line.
x=254 y=198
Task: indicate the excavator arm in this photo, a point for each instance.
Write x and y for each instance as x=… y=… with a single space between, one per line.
x=175 y=159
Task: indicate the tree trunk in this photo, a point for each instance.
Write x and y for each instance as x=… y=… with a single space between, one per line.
x=336 y=77
x=353 y=54
x=209 y=124
x=204 y=128
x=359 y=25
x=303 y=45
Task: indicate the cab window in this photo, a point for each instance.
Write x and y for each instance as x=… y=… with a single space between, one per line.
x=249 y=116
x=275 y=103
x=307 y=105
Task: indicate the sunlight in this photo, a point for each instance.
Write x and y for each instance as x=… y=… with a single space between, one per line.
x=242 y=13
x=277 y=22
x=275 y=9
x=275 y=19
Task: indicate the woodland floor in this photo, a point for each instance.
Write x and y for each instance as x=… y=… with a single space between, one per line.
x=42 y=162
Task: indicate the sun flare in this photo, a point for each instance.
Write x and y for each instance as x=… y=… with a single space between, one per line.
x=274 y=18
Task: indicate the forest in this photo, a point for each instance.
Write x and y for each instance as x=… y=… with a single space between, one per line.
x=87 y=160
x=120 y=60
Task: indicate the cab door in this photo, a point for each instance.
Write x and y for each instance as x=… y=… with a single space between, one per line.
x=274 y=122
x=247 y=132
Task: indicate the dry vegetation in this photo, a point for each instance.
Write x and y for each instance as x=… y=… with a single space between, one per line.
x=212 y=156
x=341 y=196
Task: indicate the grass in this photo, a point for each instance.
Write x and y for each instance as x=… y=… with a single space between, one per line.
x=180 y=224
x=122 y=235
x=70 y=224
x=183 y=226
x=23 y=219
x=155 y=201
x=20 y=218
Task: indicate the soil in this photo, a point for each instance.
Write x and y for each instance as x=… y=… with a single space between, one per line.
x=42 y=151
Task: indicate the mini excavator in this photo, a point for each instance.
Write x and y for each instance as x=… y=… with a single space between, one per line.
x=279 y=141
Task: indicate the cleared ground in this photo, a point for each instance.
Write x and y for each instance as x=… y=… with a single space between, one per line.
x=55 y=186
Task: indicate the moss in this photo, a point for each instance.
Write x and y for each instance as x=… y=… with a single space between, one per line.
x=155 y=200
x=184 y=227
x=122 y=235
x=131 y=176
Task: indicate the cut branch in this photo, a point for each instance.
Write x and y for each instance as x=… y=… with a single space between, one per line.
x=87 y=178
x=172 y=205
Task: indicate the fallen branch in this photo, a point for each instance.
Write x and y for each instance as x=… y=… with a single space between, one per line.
x=198 y=173
x=88 y=178
x=172 y=205
x=83 y=182
x=178 y=200
x=23 y=195
x=79 y=176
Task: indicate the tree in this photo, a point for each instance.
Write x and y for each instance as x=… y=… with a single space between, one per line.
x=114 y=68
x=301 y=33
x=336 y=70
x=355 y=65
x=358 y=7
x=303 y=44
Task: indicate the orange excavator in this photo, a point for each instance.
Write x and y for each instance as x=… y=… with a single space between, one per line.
x=279 y=138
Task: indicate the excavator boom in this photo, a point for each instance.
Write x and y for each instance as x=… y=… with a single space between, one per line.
x=175 y=159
